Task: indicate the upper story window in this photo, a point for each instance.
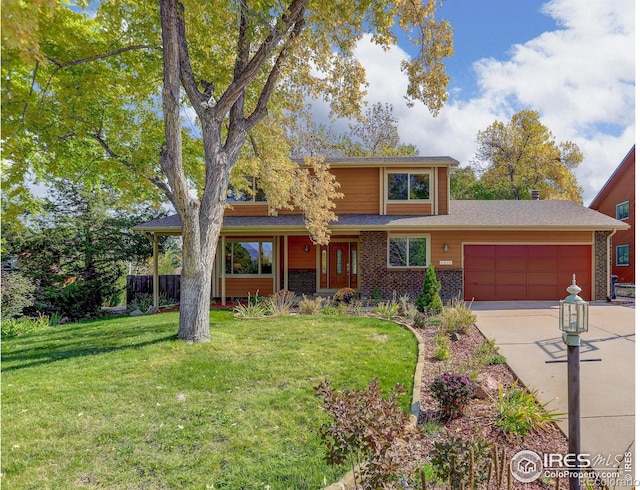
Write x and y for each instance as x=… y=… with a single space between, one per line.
x=622 y=210
x=254 y=193
x=408 y=186
x=248 y=258
x=622 y=255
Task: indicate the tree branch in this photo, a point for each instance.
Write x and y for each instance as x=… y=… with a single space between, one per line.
x=261 y=107
x=112 y=154
x=115 y=52
x=198 y=100
x=294 y=14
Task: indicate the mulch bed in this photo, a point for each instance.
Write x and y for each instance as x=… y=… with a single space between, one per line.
x=480 y=414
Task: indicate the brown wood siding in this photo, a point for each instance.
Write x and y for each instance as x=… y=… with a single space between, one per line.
x=240 y=287
x=455 y=239
x=245 y=209
x=298 y=258
x=360 y=187
x=418 y=208
x=443 y=190
x=621 y=188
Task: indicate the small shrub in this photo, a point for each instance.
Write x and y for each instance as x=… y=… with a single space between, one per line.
x=344 y=295
x=387 y=309
x=255 y=308
x=310 y=306
x=442 y=347
x=458 y=318
x=421 y=320
x=409 y=308
x=429 y=300
x=453 y=391
x=281 y=302
x=376 y=295
x=356 y=307
x=17 y=327
x=487 y=354
x=330 y=310
x=17 y=293
x=461 y=464
x=368 y=429
x=519 y=412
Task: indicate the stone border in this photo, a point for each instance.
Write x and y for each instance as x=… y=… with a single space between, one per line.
x=347 y=481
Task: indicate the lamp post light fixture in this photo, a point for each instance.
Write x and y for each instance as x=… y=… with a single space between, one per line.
x=574 y=320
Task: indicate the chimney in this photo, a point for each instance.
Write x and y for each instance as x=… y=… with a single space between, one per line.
x=535 y=195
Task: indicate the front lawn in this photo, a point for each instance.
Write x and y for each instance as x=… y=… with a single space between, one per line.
x=120 y=404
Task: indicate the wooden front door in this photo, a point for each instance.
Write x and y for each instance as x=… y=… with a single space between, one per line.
x=339 y=267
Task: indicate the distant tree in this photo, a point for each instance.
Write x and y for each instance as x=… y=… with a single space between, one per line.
x=375 y=134
x=521 y=156
x=76 y=250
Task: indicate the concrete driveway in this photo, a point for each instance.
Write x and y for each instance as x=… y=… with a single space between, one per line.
x=528 y=336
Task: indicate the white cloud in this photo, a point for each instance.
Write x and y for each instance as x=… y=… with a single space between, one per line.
x=580 y=78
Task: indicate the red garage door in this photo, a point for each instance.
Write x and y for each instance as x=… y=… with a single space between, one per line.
x=525 y=272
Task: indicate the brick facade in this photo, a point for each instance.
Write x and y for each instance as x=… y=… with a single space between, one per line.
x=377 y=278
x=601 y=272
x=302 y=281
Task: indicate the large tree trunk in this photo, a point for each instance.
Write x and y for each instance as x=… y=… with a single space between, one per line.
x=195 y=284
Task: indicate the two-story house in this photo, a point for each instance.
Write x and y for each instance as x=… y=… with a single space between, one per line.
x=617 y=199
x=395 y=219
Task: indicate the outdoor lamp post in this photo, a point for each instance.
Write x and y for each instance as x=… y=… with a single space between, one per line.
x=574 y=320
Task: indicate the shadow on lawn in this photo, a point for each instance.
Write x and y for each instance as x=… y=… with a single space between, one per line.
x=78 y=341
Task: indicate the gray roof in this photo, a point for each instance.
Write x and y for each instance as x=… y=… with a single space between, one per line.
x=497 y=215
x=435 y=160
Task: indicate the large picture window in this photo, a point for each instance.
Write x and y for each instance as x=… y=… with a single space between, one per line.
x=250 y=193
x=408 y=186
x=410 y=251
x=622 y=255
x=622 y=210
x=249 y=258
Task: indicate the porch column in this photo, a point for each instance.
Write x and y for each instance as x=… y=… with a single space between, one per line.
x=156 y=278
x=223 y=271
x=286 y=262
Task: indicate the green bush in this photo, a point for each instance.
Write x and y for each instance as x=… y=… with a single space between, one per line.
x=458 y=318
x=17 y=294
x=487 y=354
x=442 y=347
x=17 y=327
x=387 y=309
x=519 y=412
x=461 y=464
x=429 y=300
x=254 y=308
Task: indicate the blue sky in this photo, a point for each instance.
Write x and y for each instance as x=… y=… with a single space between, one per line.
x=571 y=60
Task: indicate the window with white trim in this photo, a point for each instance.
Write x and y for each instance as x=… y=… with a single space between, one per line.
x=408 y=186
x=622 y=210
x=408 y=251
x=249 y=258
x=622 y=255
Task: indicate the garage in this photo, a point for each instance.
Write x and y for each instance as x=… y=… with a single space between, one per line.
x=525 y=272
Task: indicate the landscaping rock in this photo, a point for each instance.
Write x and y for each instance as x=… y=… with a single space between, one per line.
x=152 y=310
x=137 y=312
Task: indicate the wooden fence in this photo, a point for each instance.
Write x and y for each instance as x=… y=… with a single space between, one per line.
x=138 y=286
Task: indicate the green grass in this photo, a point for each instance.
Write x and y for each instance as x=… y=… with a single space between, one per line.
x=121 y=404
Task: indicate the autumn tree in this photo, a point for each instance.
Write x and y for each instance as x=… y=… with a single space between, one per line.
x=373 y=134
x=522 y=156
x=225 y=73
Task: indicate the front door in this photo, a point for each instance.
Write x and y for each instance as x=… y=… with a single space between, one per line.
x=339 y=267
